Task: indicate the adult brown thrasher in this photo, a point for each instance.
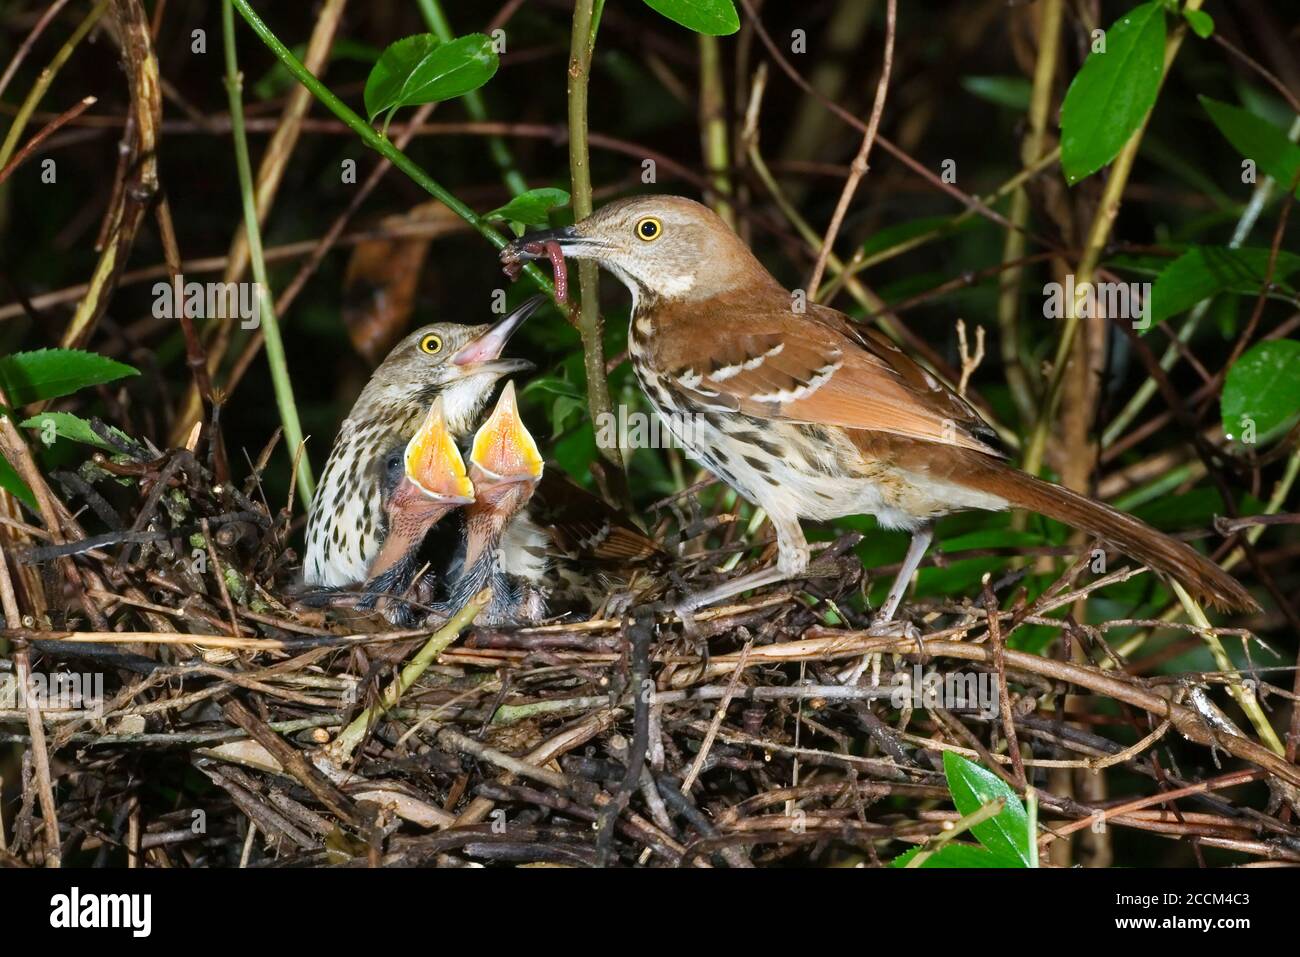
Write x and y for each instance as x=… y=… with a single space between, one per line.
x=809 y=416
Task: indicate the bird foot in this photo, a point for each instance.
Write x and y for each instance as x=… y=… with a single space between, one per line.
x=880 y=628
x=683 y=609
x=884 y=628
x=617 y=604
x=685 y=612
x=402 y=614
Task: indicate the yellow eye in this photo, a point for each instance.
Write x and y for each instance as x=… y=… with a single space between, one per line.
x=431 y=345
x=648 y=229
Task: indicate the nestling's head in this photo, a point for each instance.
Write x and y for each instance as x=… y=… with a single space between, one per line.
x=422 y=483
x=503 y=451
x=505 y=466
x=664 y=247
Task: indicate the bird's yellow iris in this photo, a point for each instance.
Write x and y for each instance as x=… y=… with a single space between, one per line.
x=431 y=345
x=648 y=229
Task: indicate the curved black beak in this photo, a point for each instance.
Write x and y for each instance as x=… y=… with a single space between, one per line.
x=532 y=245
x=484 y=353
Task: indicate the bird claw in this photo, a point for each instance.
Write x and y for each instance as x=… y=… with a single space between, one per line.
x=398 y=612
x=881 y=628
x=884 y=628
x=893 y=629
x=685 y=612
x=617 y=604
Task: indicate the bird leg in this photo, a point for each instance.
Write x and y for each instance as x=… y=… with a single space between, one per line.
x=883 y=623
x=916 y=548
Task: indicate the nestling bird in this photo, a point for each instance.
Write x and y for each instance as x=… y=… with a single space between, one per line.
x=425 y=481
x=462 y=364
x=809 y=416
x=505 y=467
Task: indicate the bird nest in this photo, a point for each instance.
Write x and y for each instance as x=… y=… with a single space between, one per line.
x=221 y=722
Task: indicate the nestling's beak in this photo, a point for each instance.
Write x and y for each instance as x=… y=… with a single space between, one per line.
x=484 y=353
x=504 y=452
x=433 y=463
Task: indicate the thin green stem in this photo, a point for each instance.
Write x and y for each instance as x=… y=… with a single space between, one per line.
x=43 y=82
x=378 y=143
x=960 y=826
x=1163 y=485
x=341 y=748
x=275 y=356
x=1258 y=200
x=713 y=127
x=1098 y=232
x=1242 y=694
x=859 y=261
x=1280 y=493
x=590 y=325
x=1017 y=373
x=474 y=105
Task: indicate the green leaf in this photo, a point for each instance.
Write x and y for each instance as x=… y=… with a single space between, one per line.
x=715 y=18
x=562 y=410
x=51 y=373
x=1203 y=271
x=971 y=786
x=1263 y=389
x=531 y=208
x=14 y=485
x=1268 y=106
x=1202 y=23
x=552 y=385
x=1011 y=91
x=65 y=425
x=576 y=451
x=954 y=855
x=1143 y=264
x=1112 y=93
x=1256 y=139
x=422 y=69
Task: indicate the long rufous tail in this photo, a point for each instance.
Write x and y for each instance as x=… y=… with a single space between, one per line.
x=1205 y=580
